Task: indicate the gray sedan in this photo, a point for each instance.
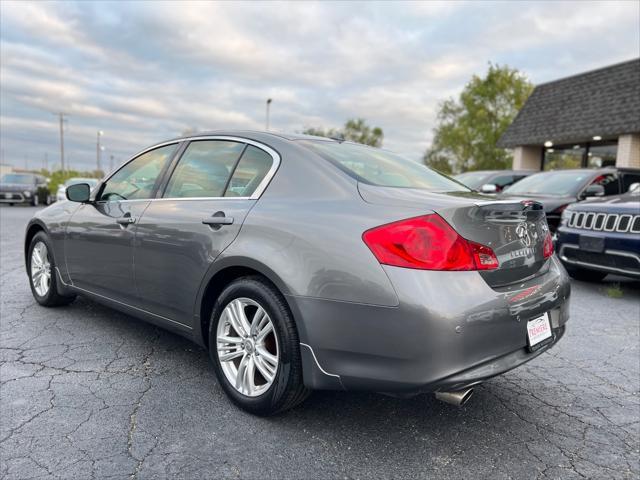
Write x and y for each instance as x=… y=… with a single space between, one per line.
x=305 y=263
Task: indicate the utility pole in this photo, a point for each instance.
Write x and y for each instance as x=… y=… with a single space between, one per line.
x=98 y=148
x=269 y=100
x=46 y=161
x=61 y=116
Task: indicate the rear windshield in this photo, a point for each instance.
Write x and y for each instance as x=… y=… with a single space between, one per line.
x=552 y=183
x=382 y=168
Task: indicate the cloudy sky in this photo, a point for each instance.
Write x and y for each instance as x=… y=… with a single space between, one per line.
x=144 y=72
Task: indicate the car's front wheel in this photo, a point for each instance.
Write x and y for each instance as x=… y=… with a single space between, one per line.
x=255 y=349
x=41 y=271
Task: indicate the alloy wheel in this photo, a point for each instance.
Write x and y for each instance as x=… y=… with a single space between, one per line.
x=40 y=269
x=247 y=347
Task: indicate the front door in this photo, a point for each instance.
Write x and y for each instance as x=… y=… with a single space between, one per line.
x=201 y=212
x=100 y=236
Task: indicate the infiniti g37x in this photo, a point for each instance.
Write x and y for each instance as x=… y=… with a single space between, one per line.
x=303 y=263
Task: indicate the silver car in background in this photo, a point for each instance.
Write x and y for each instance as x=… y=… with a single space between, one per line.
x=307 y=263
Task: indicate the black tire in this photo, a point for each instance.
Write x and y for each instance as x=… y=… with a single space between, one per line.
x=287 y=389
x=586 y=275
x=35 y=201
x=52 y=298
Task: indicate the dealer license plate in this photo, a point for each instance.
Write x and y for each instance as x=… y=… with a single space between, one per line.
x=539 y=330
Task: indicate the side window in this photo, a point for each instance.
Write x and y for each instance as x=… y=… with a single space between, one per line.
x=136 y=179
x=204 y=169
x=503 y=181
x=610 y=183
x=629 y=179
x=251 y=170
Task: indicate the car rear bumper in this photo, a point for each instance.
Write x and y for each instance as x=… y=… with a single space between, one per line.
x=449 y=331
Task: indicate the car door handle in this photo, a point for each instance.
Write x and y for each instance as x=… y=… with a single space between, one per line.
x=126 y=220
x=218 y=221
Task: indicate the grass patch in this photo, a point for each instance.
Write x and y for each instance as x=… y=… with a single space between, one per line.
x=614 y=291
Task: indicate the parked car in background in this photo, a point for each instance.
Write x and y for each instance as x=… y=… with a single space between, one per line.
x=61 y=194
x=558 y=189
x=492 y=181
x=601 y=236
x=27 y=188
x=303 y=263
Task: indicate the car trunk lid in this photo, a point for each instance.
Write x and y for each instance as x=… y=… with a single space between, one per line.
x=514 y=229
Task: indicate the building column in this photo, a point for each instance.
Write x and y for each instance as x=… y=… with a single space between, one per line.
x=527 y=158
x=628 y=150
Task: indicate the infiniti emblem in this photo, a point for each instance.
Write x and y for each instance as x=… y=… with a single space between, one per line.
x=526 y=232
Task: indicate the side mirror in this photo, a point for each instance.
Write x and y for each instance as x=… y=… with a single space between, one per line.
x=634 y=188
x=79 y=192
x=489 y=188
x=593 y=191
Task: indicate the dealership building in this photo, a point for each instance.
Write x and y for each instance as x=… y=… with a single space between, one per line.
x=588 y=120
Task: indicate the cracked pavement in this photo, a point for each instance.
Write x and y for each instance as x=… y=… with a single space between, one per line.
x=87 y=392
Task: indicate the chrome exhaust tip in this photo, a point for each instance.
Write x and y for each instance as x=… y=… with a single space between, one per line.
x=458 y=398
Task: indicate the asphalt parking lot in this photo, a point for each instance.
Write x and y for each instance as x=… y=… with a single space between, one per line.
x=87 y=392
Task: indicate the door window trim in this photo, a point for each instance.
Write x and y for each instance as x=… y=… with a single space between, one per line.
x=275 y=164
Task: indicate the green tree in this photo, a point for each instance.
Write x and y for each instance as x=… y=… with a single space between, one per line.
x=468 y=129
x=355 y=130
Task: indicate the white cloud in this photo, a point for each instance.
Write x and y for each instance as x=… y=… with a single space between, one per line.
x=143 y=73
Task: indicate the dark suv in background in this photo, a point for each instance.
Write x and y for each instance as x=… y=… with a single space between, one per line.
x=27 y=188
x=601 y=236
x=558 y=189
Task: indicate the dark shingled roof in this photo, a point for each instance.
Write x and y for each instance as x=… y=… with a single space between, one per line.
x=603 y=102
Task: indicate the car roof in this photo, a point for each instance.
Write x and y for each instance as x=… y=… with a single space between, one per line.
x=253 y=134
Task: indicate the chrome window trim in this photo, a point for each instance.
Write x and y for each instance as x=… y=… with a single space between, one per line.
x=615 y=222
x=262 y=186
x=596 y=266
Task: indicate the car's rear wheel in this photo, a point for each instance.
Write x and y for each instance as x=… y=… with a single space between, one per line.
x=254 y=345
x=41 y=270
x=586 y=275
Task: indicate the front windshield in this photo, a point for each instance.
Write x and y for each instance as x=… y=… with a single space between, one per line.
x=473 y=179
x=382 y=168
x=551 y=183
x=16 y=178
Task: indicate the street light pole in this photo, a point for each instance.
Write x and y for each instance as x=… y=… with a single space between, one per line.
x=98 y=149
x=269 y=100
x=61 y=120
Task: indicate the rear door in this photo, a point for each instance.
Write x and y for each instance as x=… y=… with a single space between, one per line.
x=100 y=236
x=209 y=193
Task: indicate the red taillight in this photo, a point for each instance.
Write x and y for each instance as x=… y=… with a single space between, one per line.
x=547 y=247
x=427 y=243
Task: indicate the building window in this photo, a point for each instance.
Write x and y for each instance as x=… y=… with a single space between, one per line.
x=583 y=155
x=602 y=155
